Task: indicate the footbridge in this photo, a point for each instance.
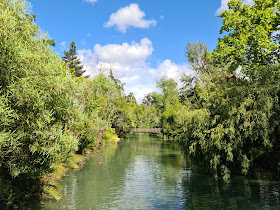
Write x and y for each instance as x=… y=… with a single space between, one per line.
x=146 y=130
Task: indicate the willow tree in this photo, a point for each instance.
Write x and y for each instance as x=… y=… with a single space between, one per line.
x=237 y=124
x=35 y=100
x=229 y=123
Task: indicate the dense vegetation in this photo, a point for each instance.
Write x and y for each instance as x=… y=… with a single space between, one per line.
x=48 y=111
x=226 y=114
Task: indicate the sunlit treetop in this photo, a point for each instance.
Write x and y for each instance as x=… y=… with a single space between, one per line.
x=251 y=36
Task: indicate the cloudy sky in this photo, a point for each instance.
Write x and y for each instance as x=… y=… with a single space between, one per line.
x=141 y=40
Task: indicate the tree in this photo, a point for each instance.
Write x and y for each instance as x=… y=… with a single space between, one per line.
x=72 y=61
x=198 y=57
x=169 y=88
x=251 y=39
x=36 y=101
x=117 y=82
x=187 y=91
x=130 y=99
x=236 y=123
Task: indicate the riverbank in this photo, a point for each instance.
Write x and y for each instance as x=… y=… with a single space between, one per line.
x=50 y=183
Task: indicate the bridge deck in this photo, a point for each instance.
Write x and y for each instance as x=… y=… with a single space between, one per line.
x=146 y=130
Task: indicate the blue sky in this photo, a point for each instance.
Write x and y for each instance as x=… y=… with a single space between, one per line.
x=141 y=40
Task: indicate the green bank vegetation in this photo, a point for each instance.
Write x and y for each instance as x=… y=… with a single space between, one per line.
x=226 y=114
x=49 y=113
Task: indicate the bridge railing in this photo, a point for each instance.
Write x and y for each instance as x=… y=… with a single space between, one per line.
x=146 y=130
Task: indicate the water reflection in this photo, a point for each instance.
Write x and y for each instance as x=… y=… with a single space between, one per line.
x=240 y=193
x=143 y=172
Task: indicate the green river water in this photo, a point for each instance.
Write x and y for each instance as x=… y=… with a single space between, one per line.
x=144 y=172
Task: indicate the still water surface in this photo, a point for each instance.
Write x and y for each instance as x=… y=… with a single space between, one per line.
x=144 y=172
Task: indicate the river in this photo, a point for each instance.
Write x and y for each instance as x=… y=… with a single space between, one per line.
x=145 y=172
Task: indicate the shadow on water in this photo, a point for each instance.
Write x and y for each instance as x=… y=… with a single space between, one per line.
x=145 y=172
x=204 y=192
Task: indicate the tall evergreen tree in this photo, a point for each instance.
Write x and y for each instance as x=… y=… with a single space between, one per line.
x=72 y=61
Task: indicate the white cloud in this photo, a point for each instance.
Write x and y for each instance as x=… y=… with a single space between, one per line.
x=224 y=5
x=172 y=70
x=86 y=56
x=88 y=59
x=134 y=53
x=130 y=79
x=129 y=16
x=130 y=65
x=140 y=91
x=63 y=44
x=91 y=1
